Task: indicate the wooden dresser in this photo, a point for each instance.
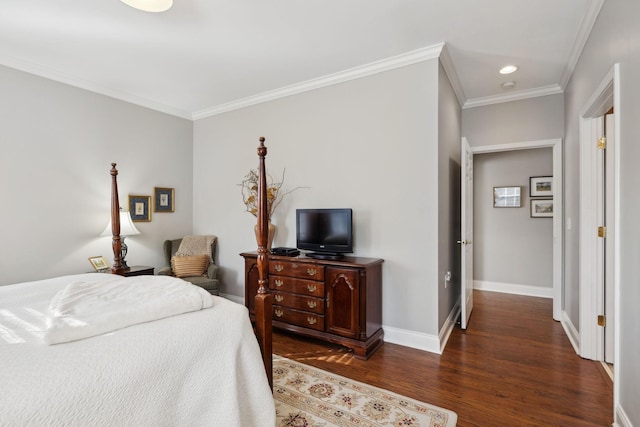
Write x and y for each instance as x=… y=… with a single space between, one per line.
x=339 y=301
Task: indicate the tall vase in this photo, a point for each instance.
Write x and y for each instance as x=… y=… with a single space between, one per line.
x=272 y=233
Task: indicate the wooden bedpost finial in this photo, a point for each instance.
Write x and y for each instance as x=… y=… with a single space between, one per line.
x=262 y=150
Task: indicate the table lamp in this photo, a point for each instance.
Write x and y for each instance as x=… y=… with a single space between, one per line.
x=126 y=229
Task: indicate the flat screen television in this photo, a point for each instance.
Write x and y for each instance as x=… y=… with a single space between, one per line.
x=327 y=233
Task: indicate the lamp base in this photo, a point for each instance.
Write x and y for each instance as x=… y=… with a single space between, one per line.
x=123 y=254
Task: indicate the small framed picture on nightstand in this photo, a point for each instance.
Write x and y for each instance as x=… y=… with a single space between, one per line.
x=99 y=263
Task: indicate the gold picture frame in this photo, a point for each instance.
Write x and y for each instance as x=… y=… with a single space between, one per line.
x=140 y=208
x=163 y=199
x=99 y=263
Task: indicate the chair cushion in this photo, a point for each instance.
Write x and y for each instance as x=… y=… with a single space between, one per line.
x=187 y=266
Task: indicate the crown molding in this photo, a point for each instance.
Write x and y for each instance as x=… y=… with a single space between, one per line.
x=376 y=67
x=452 y=75
x=588 y=21
x=513 y=96
x=47 y=73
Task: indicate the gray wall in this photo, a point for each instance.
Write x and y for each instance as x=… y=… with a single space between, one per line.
x=57 y=146
x=511 y=247
x=449 y=124
x=367 y=144
x=517 y=121
x=615 y=38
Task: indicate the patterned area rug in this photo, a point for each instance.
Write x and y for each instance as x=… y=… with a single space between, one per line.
x=309 y=397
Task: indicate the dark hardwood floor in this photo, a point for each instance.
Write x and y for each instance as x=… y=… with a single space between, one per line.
x=513 y=366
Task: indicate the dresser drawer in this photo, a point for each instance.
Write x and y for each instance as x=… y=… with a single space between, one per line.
x=300 y=302
x=297 y=269
x=297 y=317
x=296 y=286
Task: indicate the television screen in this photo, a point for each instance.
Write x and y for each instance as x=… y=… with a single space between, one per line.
x=326 y=232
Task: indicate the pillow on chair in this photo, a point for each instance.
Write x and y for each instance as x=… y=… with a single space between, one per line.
x=189 y=266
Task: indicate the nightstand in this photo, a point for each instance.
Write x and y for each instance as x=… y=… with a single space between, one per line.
x=139 y=270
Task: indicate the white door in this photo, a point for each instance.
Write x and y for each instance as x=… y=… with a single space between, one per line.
x=466 y=234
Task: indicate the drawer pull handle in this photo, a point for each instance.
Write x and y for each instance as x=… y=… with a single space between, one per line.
x=279 y=282
x=279 y=267
x=312 y=320
x=279 y=312
x=311 y=271
x=312 y=304
x=279 y=298
x=312 y=288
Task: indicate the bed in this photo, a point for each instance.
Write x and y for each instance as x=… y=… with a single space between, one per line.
x=197 y=360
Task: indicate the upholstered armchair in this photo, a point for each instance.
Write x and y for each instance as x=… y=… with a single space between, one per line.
x=195 y=268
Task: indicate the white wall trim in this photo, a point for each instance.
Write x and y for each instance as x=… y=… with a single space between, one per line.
x=409 y=58
x=621 y=419
x=449 y=325
x=234 y=298
x=558 y=205
x=452 y=75
x=513 y=96
x=515 y=289
x=588 y=21
x=417 y=340
x=571 y=331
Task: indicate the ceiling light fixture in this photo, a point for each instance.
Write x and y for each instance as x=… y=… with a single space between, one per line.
x=508 y=85
x=506 y=69
x=150 y=5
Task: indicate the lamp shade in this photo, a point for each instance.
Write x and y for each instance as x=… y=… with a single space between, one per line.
x=126 y=226
x=150 y=5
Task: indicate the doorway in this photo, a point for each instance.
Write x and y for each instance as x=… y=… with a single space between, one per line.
x=599 y=207
x=558 y=236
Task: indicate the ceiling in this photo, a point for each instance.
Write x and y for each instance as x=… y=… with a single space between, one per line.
x=207 y=56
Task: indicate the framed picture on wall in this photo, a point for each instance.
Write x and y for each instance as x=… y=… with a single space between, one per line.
x=541 y=208
x=541 y=186
x=506 y=197
x=139 y=208
x=163 y=200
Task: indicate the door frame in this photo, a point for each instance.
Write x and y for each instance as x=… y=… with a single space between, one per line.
x=558 y=214
x=606 y=95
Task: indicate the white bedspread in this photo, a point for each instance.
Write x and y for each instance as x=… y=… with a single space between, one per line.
x=201 y=368
x=84 y=309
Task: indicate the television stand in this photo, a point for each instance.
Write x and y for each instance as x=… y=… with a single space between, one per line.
x=325 y=255
x=335 y=301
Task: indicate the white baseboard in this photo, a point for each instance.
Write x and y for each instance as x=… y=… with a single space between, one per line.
x=413 y=339
x=510 y=288
x=234 y=298
x=447 y=328
x=621 y=419
x=571 y=331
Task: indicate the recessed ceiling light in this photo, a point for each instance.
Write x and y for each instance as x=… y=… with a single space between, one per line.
x=508 y=69
x=508 y=85
x=150 y=5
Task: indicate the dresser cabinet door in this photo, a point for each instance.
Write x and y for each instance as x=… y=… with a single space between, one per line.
x=343 y=301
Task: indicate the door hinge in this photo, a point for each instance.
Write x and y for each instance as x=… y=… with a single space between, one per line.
x=602 y=320
x=602 y=231
x=602 y=143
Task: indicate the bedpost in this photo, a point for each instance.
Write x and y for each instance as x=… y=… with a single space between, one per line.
x=116 y=243
x=263 y=299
